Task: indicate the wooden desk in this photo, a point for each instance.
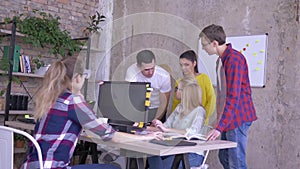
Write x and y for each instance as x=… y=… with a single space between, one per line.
x=140 y=149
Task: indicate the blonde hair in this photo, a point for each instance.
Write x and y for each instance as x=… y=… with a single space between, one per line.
x=56 y=80
x=191 y=94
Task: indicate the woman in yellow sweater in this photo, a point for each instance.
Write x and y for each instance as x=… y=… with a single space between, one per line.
x=188 y=65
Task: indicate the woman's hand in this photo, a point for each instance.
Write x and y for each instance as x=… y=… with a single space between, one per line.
x=154 y=135
x=156 y=122
x=162 y=128
x=79 y=94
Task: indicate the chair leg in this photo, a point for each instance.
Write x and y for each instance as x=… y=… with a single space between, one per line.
x=84 y=154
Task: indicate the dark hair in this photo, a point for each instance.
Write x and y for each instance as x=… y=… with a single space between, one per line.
x=214 y=32
x=145 y=56
x=191 y=56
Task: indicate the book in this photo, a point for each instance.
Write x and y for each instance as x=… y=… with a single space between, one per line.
x=27 y=64
x=16 y=61
x=21 y=64
x=186 y=137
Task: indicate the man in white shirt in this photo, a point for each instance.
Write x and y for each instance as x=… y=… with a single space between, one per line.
x=146 y=70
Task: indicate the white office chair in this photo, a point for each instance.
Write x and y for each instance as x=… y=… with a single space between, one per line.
x=7 y=146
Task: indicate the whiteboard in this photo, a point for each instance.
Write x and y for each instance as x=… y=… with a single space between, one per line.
x=253 y=47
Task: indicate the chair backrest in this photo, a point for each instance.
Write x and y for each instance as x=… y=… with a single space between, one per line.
x=7 y=146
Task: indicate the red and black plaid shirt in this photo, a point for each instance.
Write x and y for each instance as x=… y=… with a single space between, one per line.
x=238 y=107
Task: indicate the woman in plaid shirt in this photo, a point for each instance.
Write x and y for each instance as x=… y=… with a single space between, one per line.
x=61 y=113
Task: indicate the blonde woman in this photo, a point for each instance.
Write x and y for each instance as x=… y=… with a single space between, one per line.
x=187 y=118
x=61 y=113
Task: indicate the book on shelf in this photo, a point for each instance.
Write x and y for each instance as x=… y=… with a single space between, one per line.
x=197 y=136
x=21 y=64
x=16 y=61
x=25 y=64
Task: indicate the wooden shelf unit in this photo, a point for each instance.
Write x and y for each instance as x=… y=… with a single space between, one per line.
x=17 y=112
x=8 y=32
x=23 y=74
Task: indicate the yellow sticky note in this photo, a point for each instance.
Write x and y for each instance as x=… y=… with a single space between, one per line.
x=141 y=124
x=254 y=54
x=27 y=116
x=262 y=51
x=256 y=41
x=147 y=103
x=257 y=69
x=148 y=94
x=259 y=62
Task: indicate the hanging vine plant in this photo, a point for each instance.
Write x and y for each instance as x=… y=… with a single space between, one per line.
x=42 y=30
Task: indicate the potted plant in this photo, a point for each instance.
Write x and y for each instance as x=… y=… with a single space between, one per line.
x=93 y=24
x=19 y=140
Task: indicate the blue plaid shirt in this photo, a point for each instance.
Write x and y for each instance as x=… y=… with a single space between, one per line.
x=57 y=133
x=239 y=107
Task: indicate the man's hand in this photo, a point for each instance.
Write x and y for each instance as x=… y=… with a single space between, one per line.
x=213 y=134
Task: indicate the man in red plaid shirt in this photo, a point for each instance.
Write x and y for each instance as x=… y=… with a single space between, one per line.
x=235 y=109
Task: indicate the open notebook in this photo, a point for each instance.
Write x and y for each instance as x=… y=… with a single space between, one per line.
x=186 y=137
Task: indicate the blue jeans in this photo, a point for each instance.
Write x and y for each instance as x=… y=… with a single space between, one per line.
x=165 y=162
x=95 y=166
x=235 y=158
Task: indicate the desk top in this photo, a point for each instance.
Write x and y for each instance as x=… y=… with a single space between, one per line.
x=155 y=149
x=143 y=146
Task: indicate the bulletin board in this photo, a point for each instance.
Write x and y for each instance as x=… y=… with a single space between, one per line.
x=253 y=47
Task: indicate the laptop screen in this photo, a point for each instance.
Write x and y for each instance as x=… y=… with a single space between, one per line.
x=122 y=100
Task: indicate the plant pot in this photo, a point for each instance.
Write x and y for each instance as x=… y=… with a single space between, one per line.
x=42 y=70
x=19 y=143
x=2 y=103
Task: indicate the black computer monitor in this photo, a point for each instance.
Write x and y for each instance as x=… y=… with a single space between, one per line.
x=122 y=100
